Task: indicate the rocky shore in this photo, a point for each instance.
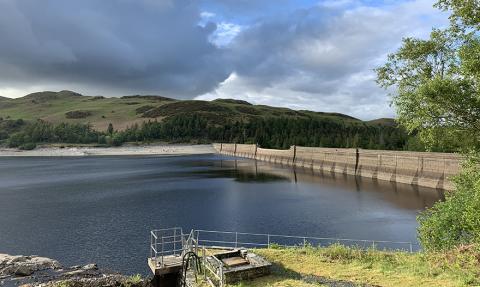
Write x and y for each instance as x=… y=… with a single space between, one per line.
x=26 y=271
x=126 y=150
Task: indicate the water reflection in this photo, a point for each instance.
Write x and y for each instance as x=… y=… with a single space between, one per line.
x=100 y=209
x=246 y=170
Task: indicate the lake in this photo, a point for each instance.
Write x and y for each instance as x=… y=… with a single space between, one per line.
x=101 y=209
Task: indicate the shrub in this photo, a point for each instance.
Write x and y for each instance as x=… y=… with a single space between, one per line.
x=16 y=140
x=77 y=114
x=456 y=221
x=28 y=146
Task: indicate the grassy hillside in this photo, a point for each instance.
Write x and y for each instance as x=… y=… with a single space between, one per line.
x=69 y=117
x=71 y=107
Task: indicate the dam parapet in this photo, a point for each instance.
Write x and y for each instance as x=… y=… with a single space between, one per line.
x=427 y=169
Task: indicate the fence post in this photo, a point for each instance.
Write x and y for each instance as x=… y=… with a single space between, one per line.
x=174 y=243
x=304 y=242
x=162 y=251
x=294 y=154
x=373 y=244
x=236 y=239
x=411 y=247
x=156 y=259
x=268 y=241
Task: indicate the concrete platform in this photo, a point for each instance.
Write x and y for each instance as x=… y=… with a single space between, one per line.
x=171 y=264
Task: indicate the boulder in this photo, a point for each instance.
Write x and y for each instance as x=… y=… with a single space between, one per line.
x=24 y=270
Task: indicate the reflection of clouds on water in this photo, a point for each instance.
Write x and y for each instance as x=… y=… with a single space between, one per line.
x=74 y=207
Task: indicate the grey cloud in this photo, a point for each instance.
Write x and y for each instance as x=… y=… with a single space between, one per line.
x=142 y=45
x=322 y=57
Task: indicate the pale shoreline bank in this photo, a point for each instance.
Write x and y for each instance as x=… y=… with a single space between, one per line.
x=112 y=151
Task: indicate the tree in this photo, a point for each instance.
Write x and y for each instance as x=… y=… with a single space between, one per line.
x=436 y=85
x=436 y=91
x=464 y=12
x=110 y=129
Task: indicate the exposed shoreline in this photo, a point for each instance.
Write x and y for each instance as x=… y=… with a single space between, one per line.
x=158 y=149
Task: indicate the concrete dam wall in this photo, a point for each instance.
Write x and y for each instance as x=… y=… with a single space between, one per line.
x=426 y=169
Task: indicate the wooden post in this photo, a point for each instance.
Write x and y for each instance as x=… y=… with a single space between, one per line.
x=294 y=154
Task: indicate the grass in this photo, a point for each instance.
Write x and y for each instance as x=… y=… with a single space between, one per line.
x=122 y=112
x=337 y=264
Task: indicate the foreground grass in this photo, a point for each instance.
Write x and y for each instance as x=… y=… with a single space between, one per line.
x=342 y=266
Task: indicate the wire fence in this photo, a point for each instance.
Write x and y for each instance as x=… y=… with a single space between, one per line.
x=173 y=242
x=232 y=239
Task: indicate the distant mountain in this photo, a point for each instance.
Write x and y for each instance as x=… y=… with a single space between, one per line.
x=72 y=107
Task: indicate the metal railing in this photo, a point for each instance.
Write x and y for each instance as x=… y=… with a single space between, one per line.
x=213 y=265
x=232 y=239
x=165 y=242
x=173 y=242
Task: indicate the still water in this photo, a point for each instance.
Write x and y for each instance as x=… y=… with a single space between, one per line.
x=100 y=209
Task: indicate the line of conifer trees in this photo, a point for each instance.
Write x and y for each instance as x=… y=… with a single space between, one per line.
x=269 y=132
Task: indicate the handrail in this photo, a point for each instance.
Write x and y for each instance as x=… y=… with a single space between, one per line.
x=269 y=237
x=307 y=237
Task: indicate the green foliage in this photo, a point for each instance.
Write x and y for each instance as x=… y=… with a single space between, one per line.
x=28 y=146
x=29 y=134
x=110 y=129
x=270 y=132
x=134 y=280
x=458 y=267
x=437 y=95
x=465 y=12
x=455 y=221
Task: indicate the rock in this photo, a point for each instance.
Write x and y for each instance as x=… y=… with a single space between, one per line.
x=35 y=271
x=25 y=265
x=90 y=267
x=24 y=270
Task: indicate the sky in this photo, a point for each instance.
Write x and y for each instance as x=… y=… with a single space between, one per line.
x=315 y=55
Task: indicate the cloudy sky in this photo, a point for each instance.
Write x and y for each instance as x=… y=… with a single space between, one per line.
x=307 y=54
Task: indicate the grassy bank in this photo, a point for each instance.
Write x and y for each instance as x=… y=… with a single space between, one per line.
x=343 y=266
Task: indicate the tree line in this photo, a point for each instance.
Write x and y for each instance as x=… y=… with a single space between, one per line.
x=268 y=132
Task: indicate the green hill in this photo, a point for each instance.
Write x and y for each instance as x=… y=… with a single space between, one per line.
x=71 y=107
x=69 y=117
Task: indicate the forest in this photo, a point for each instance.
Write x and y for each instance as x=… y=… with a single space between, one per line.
x=268 y=132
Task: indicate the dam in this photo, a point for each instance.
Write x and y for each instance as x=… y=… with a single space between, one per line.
x=426 y=169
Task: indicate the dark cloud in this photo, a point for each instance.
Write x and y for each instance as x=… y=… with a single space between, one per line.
x=133 y=45
x=305 y=55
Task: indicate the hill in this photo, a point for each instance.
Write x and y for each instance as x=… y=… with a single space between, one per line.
x=72 y=107
x=69 y=117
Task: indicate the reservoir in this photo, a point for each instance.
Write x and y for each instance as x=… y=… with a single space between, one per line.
x=100 y=209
